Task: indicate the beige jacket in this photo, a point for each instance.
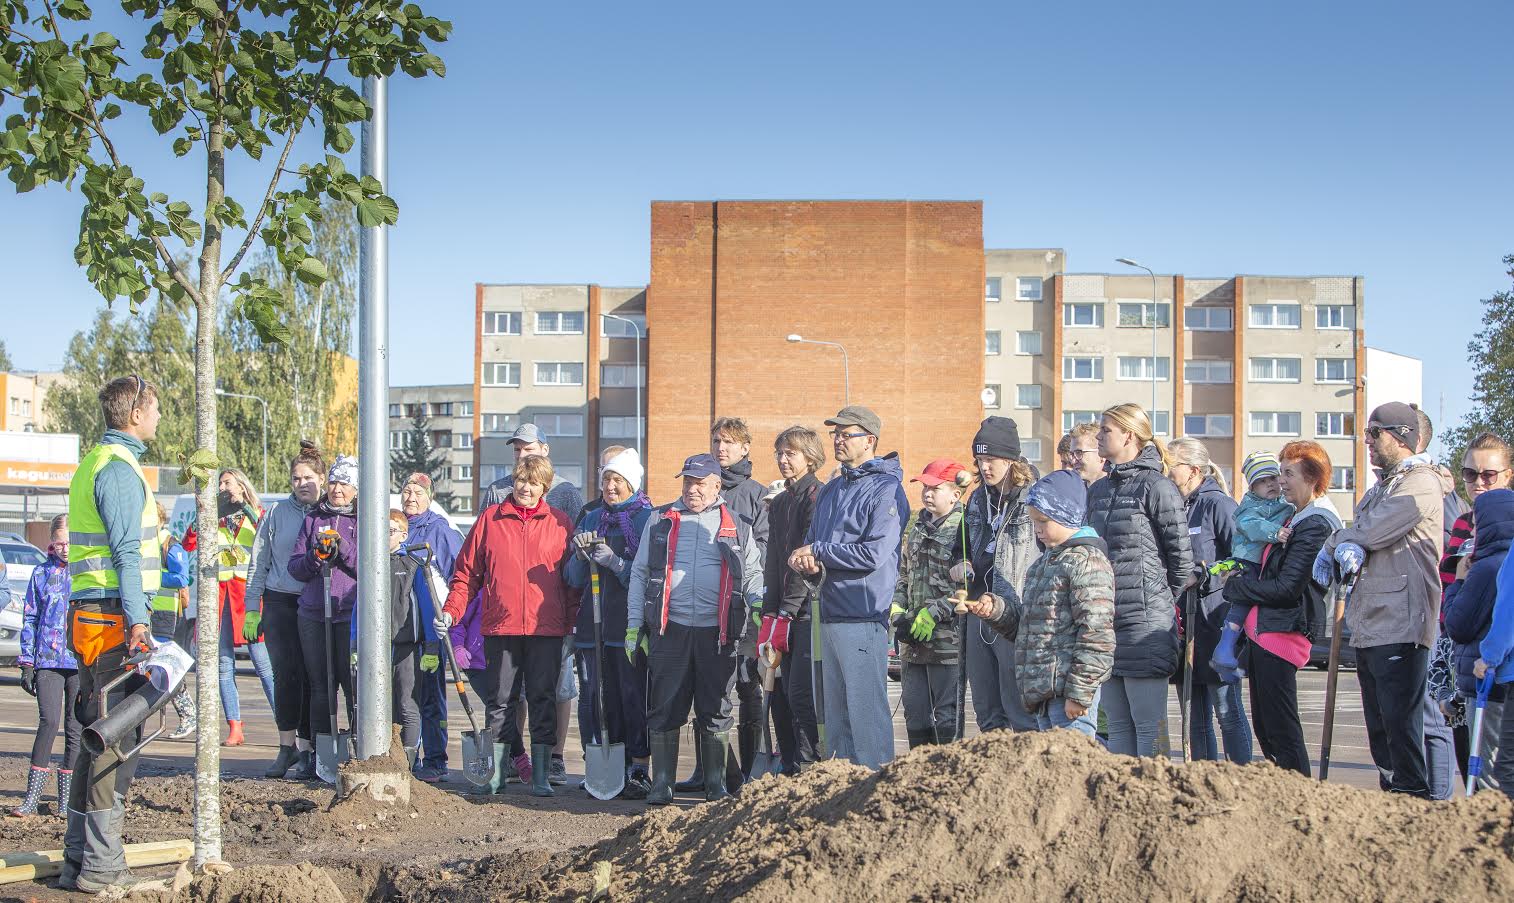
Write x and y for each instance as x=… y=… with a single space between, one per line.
x=1398 y=523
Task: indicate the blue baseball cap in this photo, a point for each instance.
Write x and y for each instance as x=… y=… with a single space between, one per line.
x=700 y=466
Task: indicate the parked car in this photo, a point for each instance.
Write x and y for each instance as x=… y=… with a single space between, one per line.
x=21 y=558
x=1319 y=650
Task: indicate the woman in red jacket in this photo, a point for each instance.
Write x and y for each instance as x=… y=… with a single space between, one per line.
x=515 y=556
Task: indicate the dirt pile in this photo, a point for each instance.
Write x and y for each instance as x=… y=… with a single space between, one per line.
x=303 y=883
x=1045 y=816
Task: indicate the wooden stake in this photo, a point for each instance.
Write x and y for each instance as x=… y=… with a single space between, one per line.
x=46 y=863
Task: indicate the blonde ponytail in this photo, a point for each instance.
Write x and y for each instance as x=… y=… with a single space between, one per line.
x=1133 y=419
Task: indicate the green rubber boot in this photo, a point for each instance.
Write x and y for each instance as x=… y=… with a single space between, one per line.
x=664 y=767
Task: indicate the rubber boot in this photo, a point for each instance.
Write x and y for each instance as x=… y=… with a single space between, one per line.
x=664 y=767
x=184 y=705
x=497 y=777
x=733 y=776
x=920 y=738
x=36 y=779
x=695 y=781
x=282 y=763
x=541 y=762
x=65 y=784
x=1224 y=661
x=716 y=746
x=304 y=766
x=234 y=736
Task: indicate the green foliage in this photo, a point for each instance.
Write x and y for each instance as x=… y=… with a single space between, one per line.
x=5 y=358
x=1491 y=353
x=419 y=456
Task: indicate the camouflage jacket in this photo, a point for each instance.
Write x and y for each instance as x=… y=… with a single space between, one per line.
x=1065 y=626
x=929 y=552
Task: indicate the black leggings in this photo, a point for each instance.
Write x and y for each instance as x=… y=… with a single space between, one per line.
x=313 y=648
x=281 y=634
x=56 y=689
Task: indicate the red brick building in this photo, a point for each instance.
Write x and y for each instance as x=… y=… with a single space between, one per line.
x=898 y=283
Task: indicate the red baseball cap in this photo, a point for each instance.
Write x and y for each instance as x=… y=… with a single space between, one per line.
x=941 y=470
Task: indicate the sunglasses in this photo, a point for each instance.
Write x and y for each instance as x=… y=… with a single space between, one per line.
x=1468 y=475
x=837 y=434
x=1374 y=431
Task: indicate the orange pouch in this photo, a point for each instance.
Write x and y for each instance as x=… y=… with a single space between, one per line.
x=94 y=633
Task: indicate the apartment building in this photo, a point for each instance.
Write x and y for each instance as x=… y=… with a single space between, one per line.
x=448 y=412
x=21 y=396
x=564 y=357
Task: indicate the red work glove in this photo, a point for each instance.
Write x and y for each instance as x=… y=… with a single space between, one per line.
x=765 y=630
x=779 y=636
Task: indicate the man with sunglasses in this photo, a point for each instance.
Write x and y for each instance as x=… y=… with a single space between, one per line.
x=1393 y=547
x=855 y=536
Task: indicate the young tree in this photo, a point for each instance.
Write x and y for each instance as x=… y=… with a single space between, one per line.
x=214 y=77
x=418 y=456
x=5 y=358
x=1491 y=352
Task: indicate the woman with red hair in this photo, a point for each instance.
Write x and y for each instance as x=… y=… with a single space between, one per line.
x=1288 y=607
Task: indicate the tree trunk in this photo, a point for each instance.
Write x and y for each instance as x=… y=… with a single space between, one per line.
x=207 y=802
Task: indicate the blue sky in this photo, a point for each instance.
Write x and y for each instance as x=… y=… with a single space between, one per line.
x=1203 y=138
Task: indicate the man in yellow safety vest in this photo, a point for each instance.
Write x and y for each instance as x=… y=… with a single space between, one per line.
x=114 y=568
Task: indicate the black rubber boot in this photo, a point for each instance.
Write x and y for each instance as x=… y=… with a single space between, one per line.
x=541 y=761
x=715 y=750
x=695 y=782
x=920 y=738
x=281 y=765
x=664 y=767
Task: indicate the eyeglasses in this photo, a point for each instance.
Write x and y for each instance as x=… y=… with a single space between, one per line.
x=1080 y=452
x=837 y=434
x=1468 y=475
x=394 y=530
x=1374 y=431
x=136 y=402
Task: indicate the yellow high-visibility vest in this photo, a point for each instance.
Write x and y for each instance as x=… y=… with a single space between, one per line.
x=89 y=564
x=236 y=551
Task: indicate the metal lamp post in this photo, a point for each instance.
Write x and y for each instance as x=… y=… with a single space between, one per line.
x=640 y=383
x=846 y=367
x=1154 y=319
x=265 y=428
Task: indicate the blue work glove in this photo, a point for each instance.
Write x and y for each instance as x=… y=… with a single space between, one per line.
x=1349 y=556
x=1324 y=568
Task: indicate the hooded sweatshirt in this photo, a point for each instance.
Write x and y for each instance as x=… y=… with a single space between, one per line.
x=856 y=533
x=1469 y=602
x=271 y=548
x=431 y=528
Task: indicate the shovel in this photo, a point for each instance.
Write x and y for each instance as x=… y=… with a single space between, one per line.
x=334 y=747
x=817 y=669
x=764 y=762
x=604 y=763
x=1332 y=672
x=478 y=751
x=1474 y=761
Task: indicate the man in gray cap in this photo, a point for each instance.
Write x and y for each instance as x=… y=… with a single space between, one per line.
x=855 y=536
x=528 y=439
x=1394 y=546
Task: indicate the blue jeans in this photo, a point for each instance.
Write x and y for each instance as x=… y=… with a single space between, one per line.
x=1223 y=701
x=230 y=702
x=1053 y=714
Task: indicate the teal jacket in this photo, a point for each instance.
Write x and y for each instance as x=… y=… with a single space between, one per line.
x=119 y=497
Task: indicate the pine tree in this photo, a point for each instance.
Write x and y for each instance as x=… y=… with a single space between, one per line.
x=418 y=456
x=1491 y=353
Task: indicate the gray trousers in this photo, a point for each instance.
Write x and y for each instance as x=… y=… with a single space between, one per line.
x=991 y=676
x=858 y=723
x=930 y=703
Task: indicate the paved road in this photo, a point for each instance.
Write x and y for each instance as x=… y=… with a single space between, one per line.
x=1351 y=763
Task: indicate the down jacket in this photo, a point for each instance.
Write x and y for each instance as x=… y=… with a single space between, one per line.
x=1139 y=514
x=930 y=550
x=1211 y=514
x=517 y=562
x=1283 y=589
x=1469 y=602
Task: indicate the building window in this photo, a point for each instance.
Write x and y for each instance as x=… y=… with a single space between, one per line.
x=992 y=288
x=1335 y=316
x=1028 y=396
x=1276 y=369
x=1030 y=449
x=619 y=427
x=1071 y=419
x=560 y=426
x=559 y=373
x=394 y=409
x=462 y=440
x=26 y=407
x=501 y=322
x=440 y=439
x=1083 y=369
x=991 y=341
x=1281 y=315
x=1083 y=314
x=465 y=409
x=1161 y=422
x=493 y=473
x=1335 y=425
x=415 y=410
x=991 y=396
x=560 y=322
x=1209 y=319
x=464 y=504
x=1334 y=369
x=500 y=424
x=1208 y=372
x=615 y=329
x=397 y=439
x=573 y=473
x=462 y=473
x=1140 y=368
x=616 y=376
x=1343 y=479
x=1028 y=288
x=1212 y=426
x=501 y=373
x=1027 y=343
x=1139 y=313
x=443 y=408
x=1275 y=423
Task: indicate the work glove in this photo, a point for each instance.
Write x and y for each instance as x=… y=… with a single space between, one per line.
x=353 y=661
x=961 y=572
x=1349 y=557
x=583 y=544
x=430 y=661
x=924 y=627
x=328 y=543
x=29 y=680
x=443 y=621
x=1324 y=567
x=252 y=626
x=602 y=555
x=775 y=632
x=635 y=637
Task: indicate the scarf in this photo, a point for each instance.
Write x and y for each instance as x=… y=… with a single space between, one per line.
x=623 y=514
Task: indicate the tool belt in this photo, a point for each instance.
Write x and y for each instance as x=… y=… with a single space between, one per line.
x=95 y=627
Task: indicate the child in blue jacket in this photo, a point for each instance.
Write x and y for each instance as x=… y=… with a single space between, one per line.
x=49 y=671
x=1496 y=654
x=1259 y=521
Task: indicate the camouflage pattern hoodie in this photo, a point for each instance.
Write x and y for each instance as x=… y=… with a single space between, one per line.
x=1064 y=629
x=929 y=552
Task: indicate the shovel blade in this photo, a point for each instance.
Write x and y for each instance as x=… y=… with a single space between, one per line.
x=604 y=770
x=330 y=754
x=478 y=759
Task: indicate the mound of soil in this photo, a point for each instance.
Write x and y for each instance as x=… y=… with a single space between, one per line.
x=303 y=883
x=1044 y=816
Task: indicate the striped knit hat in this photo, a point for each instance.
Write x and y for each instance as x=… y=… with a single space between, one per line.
x=1258 y=465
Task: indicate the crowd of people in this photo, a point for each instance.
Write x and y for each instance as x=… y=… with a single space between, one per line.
x=1062 y=600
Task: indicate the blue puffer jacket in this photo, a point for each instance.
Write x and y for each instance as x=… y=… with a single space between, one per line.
x=432 y=529
x=1469 y=603
x=857 y=533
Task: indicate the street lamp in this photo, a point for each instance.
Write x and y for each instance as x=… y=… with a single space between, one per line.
x=1131 y=263
x=846 y=367
x=640 y=383
x=265 y=428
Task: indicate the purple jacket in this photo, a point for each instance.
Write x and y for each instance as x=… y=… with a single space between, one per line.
x=468 y=638
x=44 y=620
x=304 y=566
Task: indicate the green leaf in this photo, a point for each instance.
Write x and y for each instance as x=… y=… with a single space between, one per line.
x=377 y=211
x=311 y=271
x=197 y=466
x=181 y=146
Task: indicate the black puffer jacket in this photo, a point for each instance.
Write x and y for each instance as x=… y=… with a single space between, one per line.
x=1211 y=515
x=1139 y=514
x=1283 y=590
